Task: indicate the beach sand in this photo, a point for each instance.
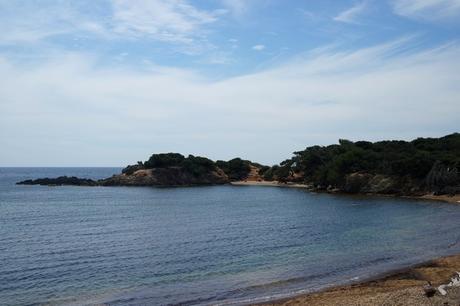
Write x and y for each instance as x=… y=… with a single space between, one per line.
x=268 y=183
x=404 y=287
x=445 y=198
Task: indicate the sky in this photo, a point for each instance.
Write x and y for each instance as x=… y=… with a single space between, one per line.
x=109 y=82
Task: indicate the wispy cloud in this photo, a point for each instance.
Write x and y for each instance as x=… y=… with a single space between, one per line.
x=72 y=109
x=175 y=21
x=258 y=47
x=350 y=15
x=435 y=10
x=27 y=22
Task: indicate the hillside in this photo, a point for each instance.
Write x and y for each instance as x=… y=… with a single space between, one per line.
x=389 y=167
x=418 y=167
x=167 y=169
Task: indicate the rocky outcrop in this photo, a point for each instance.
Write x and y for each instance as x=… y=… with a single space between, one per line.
x=172 y=176
x=60 y=181
x=381 y=184
x=440 y=181
x=443 y=179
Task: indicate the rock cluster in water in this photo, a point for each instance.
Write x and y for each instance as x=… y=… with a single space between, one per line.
x=60 y=181
x=167 y=169
x=149 y=177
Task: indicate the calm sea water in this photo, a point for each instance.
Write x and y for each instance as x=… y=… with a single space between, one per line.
x=204 y=245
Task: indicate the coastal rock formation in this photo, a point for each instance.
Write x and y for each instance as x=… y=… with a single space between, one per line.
x=380 y=184
x=60 y=181
x=166 y=169
x=419 y=167
x=443 y=179
x=148 y=177
x=172 y=176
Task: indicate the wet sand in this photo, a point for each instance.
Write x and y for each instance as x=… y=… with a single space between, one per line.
x=404 y=287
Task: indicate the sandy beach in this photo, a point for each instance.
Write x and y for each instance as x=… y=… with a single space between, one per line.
x=404 y=287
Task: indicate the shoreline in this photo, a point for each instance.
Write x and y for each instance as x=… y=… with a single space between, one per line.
x=395 y=287
x=398 y=287
x=429 y=197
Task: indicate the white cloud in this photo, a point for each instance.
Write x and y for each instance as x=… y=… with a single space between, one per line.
x=172 y=20
x=435 y=10
x=258 y=47
x=72 y=111
x=27 y=22
x=164 y=20
x=350 y=15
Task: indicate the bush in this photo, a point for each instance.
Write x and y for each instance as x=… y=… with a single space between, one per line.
x=198 y=165
x=235 y=169
x=164 y=160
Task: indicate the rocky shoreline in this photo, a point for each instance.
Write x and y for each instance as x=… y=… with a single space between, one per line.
x=384 y=168
x=175 y=178
x=420 y=196
x=162 y=177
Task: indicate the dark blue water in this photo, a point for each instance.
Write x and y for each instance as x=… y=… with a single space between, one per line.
x=203 y=245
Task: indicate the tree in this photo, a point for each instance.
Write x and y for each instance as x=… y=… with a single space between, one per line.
x=164 y=160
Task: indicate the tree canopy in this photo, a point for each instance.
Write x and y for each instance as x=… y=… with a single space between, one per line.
x=235 y=169
x=329 y=165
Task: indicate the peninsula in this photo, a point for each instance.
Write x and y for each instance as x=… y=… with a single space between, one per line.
x=422 y=167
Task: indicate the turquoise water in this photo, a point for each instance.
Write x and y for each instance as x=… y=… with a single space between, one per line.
x=200 y=246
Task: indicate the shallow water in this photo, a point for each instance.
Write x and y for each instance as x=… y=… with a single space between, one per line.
x=202 y=245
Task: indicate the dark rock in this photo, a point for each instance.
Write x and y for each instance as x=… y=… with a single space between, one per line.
x=440 y=177
x=356 y=182
x=430 y=291
x=59 y=181
x=172 y=176
x=128 y=170
x=380 y=184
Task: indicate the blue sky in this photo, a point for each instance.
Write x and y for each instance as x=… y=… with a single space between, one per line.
x=106 y=83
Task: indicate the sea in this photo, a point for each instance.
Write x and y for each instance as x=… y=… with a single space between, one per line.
x=216 y=245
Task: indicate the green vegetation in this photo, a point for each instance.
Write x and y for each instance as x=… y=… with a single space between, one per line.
x=422 y=164
x=198 y=165
x=434 y=162
x=235 y=169
x=195 y=165
x=164 y=160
